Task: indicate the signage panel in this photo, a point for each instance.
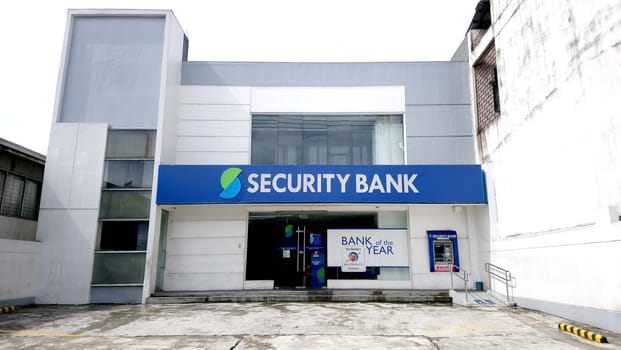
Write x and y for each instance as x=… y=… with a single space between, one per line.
x=230 y=184
x=355 y=249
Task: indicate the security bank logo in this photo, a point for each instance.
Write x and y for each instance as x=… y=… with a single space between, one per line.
x=288 y=231
x=231 y=186
x=353 y=256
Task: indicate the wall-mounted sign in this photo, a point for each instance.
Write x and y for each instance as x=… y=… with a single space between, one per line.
x=226 y=184
x=353 y=259
x=353 y=250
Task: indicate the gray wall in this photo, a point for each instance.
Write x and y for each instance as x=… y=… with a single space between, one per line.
x=113 y=71
x=437 y=96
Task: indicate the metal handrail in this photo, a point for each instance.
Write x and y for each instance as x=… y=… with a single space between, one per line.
x=500 y=274
x=454 y=269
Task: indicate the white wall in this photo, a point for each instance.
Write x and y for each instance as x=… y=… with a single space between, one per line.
x=67 y=227
x=206 y=248
x=425 y=218
x=165 y=147
x=19 y=270
x=213 y=125
x=552 y=159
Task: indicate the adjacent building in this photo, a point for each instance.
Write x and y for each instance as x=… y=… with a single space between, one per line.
x=546 y=81
x=21 y=175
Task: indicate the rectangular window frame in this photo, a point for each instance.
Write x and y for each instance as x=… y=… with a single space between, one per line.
x=116 y=276
x=335 y=150
x=20 y=212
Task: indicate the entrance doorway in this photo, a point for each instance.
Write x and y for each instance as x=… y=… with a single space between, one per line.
x=290 y=247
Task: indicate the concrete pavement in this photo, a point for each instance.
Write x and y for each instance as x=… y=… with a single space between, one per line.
x=287 y=326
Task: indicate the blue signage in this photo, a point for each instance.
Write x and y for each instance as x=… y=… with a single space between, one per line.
x=229 y=184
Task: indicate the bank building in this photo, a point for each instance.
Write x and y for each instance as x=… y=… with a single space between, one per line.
x=168 y=175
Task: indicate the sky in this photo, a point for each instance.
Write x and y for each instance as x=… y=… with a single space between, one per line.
x=32 y=34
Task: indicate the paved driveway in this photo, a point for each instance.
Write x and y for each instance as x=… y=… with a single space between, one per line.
x=286 y=326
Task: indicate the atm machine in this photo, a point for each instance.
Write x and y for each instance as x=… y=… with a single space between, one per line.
x=443 y=250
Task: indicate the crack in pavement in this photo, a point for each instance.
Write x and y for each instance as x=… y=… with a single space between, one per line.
x=239 y=341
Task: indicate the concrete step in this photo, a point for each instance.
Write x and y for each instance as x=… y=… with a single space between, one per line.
x=302 y=295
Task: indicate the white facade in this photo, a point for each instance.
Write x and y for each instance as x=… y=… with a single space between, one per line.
x=552 y=158
x=201 y=114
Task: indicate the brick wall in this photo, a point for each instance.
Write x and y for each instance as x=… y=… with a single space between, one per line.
x=483 y=78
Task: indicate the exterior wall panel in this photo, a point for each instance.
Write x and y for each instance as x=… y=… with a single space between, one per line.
x=441 y=150
x=69 y=213
x=19 y=271
x=203 y=247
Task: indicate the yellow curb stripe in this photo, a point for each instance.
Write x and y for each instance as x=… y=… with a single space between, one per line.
x=51 y=334
x=583 y=333
x=6 y=310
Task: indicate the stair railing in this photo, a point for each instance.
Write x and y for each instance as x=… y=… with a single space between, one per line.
x=462 y=274
x=498 y=273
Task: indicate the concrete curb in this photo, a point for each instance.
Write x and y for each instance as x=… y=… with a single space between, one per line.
x=583 y=333
x=6 y=310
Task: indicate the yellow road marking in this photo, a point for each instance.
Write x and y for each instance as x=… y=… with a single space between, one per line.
x=535 y=322
x=50 y=334
x=460 y=329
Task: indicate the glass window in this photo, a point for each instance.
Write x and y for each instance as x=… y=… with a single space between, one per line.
x=124 y=235
x=113 y=71
x=339 y=141
x=315 y=140
x=327 y=140
x=118 y=268
x=131 y=144
x=289 y=140
x=12 y=195
x=30 y=202
x=2 y=177
x=264 y=132
x=128 y=174
x=125 y=204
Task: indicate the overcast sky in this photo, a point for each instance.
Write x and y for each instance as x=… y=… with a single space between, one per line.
x=31 y=38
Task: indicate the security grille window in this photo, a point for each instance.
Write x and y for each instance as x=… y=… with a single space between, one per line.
x=29 y=202
x=327 y=140
x=125 y=204
x=19 y=196
x=12 y=197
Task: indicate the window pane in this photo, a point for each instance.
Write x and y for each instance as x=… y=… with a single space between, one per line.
x=289 y=140
x=389 y=140
x=264 y=139
x=128 y=174
x=2 y=177
x=12 y=198
x=131 y=144
x=30 y=202
x=363 y=140
x=118 y=268
x=124 y=235
x=339 y=141
x=125 y=204
x=315 y=140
